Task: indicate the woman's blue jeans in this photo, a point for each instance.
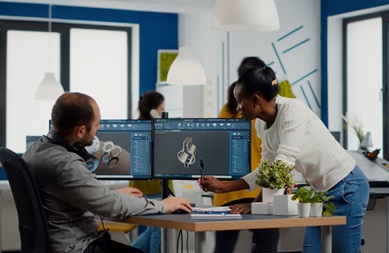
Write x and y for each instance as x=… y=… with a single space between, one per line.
x=351 y=196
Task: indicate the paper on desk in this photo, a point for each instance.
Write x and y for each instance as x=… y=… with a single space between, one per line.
x=213 y=209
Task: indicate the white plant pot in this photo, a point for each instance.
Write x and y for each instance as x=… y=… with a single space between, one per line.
x=267 y=194
x=304 y=209
x=316 y=209
x=284 y=205
x=261 y=208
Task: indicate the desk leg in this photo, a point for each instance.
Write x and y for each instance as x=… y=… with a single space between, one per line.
x=326 y=240
x=200 y=242
x=1 y=221
x=164 y=241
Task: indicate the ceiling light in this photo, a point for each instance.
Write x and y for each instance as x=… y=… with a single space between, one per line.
x=186 y=69
x=245 y=15
x=50 y=88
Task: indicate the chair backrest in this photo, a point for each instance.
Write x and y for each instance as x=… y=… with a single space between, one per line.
x=33 y=228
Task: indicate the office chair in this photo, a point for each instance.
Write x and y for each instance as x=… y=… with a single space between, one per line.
x=33 y=230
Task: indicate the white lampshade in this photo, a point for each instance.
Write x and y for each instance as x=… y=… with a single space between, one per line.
x=245 y=15
x=49 y=89
x=186 y=69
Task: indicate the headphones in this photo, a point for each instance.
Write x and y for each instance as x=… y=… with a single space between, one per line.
x=91 y=161
x=154 y=114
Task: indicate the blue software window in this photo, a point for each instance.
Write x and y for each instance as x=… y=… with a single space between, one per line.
x=3 y=176
x=182 y=146
x=122 y=149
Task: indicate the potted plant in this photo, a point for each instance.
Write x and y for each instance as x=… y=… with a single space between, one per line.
x=304 y=195
x=312 y=203
x=322 y=205
x=277 y=177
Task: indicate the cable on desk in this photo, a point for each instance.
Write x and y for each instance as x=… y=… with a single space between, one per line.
x=187 y=241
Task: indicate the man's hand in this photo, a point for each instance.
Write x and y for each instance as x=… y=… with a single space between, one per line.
x=211 y=184
x=131 y=190
x=176 y=203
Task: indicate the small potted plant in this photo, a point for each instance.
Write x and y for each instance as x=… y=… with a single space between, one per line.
x=321 y=205
x=312 y=203
x=277 y=178
x=304 y=195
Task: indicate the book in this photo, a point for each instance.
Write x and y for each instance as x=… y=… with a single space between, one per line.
x=216 y=216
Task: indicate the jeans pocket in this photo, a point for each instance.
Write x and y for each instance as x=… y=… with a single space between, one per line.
x=348 y=191
x=356 y=192
x=364 y=191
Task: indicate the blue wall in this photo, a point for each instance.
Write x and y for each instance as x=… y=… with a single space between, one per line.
x=330 y=8
x=157 y=30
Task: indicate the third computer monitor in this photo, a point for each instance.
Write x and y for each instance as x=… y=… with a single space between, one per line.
x=181 y=147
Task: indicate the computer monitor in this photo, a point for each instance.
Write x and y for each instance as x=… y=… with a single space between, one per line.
x=30 y=139
x=123 y=150
x=180 y=146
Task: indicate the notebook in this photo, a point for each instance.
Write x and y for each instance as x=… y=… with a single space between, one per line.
x=212 y=210
x=215 y=216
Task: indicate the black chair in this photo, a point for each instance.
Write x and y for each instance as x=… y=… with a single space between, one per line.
x=34 y=234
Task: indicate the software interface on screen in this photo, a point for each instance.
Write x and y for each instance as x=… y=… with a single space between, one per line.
x=122 y=149
x=181 y=145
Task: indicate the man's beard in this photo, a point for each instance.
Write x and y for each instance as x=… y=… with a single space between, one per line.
x=86 y=141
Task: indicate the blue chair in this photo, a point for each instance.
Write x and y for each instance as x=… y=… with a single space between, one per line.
x=33 y=230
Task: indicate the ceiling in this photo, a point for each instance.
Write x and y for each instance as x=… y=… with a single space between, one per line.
x=170 y=6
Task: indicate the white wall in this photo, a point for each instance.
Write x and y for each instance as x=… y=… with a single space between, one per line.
x=214 y=49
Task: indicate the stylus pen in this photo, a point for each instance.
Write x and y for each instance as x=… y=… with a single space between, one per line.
x=201 y=170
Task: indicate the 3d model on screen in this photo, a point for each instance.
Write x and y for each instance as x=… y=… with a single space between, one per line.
x=188 y=153
x=110 y=155
x=108 y=150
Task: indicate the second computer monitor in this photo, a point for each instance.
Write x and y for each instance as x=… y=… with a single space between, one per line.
x=182 y=146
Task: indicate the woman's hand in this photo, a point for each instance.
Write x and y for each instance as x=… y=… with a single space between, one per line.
x=211 y=184
x=241 y=208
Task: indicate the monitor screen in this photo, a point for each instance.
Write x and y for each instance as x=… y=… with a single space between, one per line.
x=180 y=146
x=122 y=149
x=30 y=139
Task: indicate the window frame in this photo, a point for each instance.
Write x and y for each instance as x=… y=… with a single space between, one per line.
x=385 y=78
x=64 y=29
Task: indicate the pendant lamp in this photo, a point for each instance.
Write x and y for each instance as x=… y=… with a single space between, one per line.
x=245 y=15
x=186 y=69
x=50 y=88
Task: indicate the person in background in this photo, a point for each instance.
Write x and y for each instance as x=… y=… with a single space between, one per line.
x=292 y=133
x=264 y=240
x=151 y=104
x=71 y=194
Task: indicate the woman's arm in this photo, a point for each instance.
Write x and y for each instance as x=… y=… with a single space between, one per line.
x=212 y=184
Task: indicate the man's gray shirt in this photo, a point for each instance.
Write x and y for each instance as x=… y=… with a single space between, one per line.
x=72 y=196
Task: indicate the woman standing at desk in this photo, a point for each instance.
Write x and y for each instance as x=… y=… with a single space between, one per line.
x=291 y=132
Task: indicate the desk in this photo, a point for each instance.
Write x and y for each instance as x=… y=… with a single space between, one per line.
x=248 y=221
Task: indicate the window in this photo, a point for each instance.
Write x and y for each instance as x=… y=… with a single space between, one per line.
x=91 y=59
x=365 y=78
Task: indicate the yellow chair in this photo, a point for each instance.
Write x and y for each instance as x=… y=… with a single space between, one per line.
x=117 y=230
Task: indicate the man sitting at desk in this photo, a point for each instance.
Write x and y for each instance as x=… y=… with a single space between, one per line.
x=71 y=195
